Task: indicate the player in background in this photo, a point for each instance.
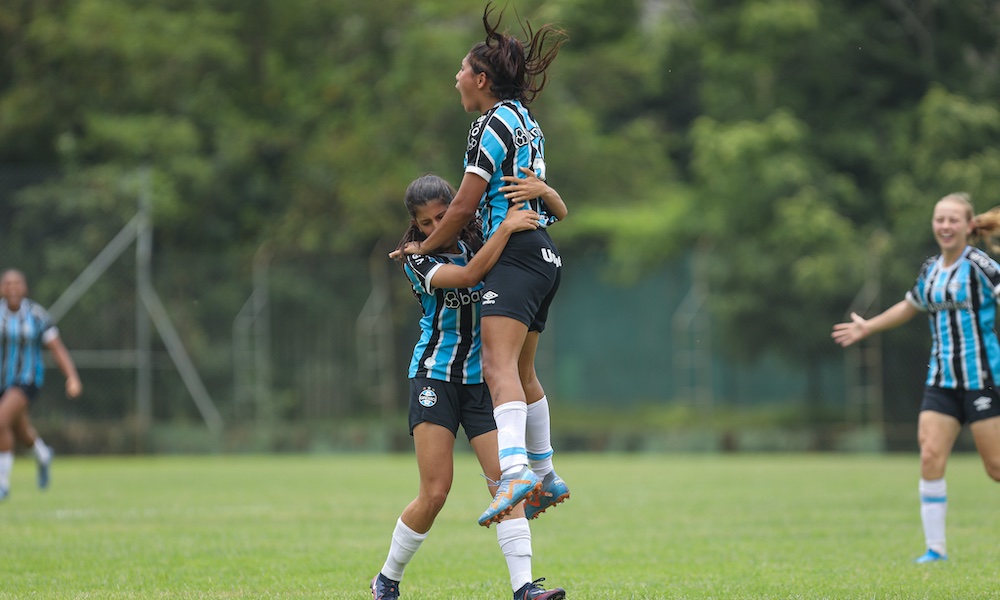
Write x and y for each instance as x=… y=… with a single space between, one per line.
x=446 y=380
x=958 y=289
x=498 y=78
x=25 y=328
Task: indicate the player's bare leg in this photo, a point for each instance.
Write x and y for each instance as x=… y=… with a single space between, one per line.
x=538 y=433
x=936 y=433
x=434 y=447
x=12 y=404
x=503 y=339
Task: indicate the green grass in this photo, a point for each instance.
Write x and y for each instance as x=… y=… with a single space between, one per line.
x=638 y=526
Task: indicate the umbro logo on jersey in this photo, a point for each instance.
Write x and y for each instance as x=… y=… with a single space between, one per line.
x=428 y=397
x=490 y=297
x=983 y=403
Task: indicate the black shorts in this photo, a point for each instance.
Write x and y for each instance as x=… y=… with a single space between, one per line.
x=450 y=405
x=29 y=390
x=968 y=406
x=524 y=281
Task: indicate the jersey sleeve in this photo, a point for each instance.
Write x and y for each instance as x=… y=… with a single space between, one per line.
x=486 y=148
x=988 y=271
x=917 y=294
x=419 y=269
x=46 y=326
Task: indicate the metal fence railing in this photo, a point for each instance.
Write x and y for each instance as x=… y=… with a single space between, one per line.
x=251 y=345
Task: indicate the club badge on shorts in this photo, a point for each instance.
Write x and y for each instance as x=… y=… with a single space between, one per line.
x=428 y=397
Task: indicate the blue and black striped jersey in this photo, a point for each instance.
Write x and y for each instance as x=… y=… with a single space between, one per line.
x=23 y=335
x=449 y=348
x=961 y=301
x=501 y=141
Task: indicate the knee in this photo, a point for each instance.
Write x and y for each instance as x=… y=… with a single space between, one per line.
x=492 y=368
x=932 y=463
x=993 y=470
x=434 y=498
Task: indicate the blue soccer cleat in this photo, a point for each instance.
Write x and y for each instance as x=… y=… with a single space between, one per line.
x=931 y=556
x=533 y=591
x=384 y=588
x=4 y=492
x=511 y=490
x=43 y=471
x=554 y=491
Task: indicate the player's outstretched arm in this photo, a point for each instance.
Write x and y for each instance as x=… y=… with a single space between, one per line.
x=454 y=276
x=859 y=328
x=529 y=187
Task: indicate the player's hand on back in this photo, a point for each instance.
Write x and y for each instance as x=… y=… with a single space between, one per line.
x=522 y=189
x=519 y=219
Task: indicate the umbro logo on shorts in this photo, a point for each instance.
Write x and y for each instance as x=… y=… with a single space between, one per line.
x=490 y=297
x=983 y=403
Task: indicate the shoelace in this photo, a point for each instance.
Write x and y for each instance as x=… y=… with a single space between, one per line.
x=389 y=588
x=534 y=585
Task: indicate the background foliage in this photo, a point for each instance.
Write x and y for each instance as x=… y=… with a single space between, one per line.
x=796 y=141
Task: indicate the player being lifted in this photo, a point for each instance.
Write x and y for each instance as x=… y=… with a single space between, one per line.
x=446 y=379
x=498 y=78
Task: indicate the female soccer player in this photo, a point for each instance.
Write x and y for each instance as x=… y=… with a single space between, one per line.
x=498 y=78
x=958 y=289
x=25 y=328
x=446 y=383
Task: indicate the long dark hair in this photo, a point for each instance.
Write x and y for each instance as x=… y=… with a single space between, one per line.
x=431 y=188
x=516 y=68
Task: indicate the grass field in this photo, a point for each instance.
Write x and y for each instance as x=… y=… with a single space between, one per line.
x=637 y=526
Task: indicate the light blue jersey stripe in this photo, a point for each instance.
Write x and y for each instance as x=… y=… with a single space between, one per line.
x=449 y=348
x=23 y=339
x=500 y=142
x=961 y=304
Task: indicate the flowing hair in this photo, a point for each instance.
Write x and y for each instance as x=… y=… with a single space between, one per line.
x=516 y=68
x=985 y=226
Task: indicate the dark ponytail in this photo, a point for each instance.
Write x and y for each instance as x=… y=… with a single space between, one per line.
x=516 y=68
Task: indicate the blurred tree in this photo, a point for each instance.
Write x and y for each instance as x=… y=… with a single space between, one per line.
x=785 y=132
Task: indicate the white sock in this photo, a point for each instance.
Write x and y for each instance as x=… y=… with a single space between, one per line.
x=6 y=466
x=514 y=537
x=538 y=437
x=42 y=452
x=405 y=543
x=511 y=418
x=933 y=508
